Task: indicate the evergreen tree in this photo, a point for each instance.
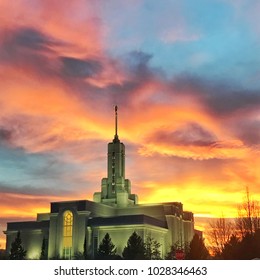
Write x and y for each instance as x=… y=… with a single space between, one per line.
x=247 y=247
x=171 y=255
x=2 y=254
x=257 y=244
x=151 y=249
x=44 y=251
x=106 y=250
x=231 y=249
x=17 y=250
x=135 y=249
x=78 y=256
x=85 y=254
x=197 y=249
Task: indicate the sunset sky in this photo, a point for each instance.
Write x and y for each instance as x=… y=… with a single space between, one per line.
x=184 y=74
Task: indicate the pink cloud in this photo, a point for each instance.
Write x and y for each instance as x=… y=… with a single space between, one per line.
x=179 y=34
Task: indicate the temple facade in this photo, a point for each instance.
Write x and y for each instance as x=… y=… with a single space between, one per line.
x=71 y=225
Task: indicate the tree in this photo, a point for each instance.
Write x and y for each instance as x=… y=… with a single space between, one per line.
x=177 y=246
x=246 y=248
x=135 y=249
x=240 y=241
x=231 y=249
x=85 y=252
x=197 y=249
x=107 y=249
x=257 y=244
x=151 y=249
x=17 y=251
x=219 y=234
x=78 y=256
x=248 y=220
x=44 y=251
x=2 y=254
x=171 y=255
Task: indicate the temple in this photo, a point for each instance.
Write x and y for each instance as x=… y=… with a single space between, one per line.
x=71 y=225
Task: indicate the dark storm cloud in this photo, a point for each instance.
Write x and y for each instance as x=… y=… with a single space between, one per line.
x=29 y=49
x=29 y=38
x=229 y=101
x=122 y=93
x=5 y=135
x=138 y=62
x=220 y=98
x=31 y=190
x=34 y=52
x=190 y=134
x=134 y=66
x=80 y=68
x=139 y=73
x=138 y=66
x=248 y=131
x=25 y=40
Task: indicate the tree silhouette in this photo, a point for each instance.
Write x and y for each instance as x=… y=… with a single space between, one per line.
x=231 y=249
x=248 y=220
x=17 y=251
x=85 y=253
x=246 y=248
x=135 y=249
x=241 y=241
x=171 y=255
x=219 y=233
x=197 y=249
x=2 y=254
x=44 y=251
x=106 y=249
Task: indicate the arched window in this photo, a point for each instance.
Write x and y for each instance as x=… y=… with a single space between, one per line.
x=67 y=234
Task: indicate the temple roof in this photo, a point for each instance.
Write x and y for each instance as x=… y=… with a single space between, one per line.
x=126 y=220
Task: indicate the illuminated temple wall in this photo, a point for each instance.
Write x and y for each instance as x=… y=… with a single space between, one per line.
x=32 y=235
x=167 y=223
x=120 y=235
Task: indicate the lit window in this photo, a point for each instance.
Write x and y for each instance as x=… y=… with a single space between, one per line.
x=67 y=234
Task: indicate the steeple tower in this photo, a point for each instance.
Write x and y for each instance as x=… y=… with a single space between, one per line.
x=115 y=189
x=116 y=139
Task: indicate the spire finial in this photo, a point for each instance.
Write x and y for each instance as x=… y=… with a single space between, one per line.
x=116 y=136
x=116 y=118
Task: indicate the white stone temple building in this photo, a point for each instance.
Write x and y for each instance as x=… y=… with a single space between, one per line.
x=114 y=210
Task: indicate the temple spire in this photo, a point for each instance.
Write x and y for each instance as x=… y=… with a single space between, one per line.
x=116 y=136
